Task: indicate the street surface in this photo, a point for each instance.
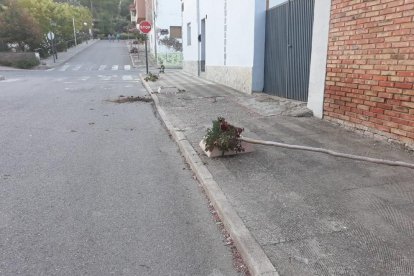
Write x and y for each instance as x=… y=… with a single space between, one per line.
x=88 y=186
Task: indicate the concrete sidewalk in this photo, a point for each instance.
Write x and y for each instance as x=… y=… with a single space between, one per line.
x=311 y=214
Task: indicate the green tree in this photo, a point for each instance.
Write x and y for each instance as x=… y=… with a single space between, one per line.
x=18 y=26
x=109 y=15
x=58 y=17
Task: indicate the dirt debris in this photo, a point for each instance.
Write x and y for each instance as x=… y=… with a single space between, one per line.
x=131 y=99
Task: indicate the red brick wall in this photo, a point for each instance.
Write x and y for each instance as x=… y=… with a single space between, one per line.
x=370 y=70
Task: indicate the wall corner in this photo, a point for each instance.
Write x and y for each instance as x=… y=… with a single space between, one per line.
x=319 y=56
x=259 y=46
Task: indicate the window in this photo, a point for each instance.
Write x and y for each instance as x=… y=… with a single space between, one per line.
x=175 y=32
x=188 y=34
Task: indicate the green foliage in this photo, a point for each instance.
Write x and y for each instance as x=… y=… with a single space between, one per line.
x=26 y=64
x=151 y=77
x=5 y=63
x=172 y=42
x=110 y=16
x=223 y=136
x=18 y=26
x=21 y=63
x=26 y=22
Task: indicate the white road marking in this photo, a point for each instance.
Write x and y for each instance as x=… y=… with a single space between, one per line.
x=102 y=67
x=115 y=67
x=76 y=68
x=127 y=67
x=105 y=78
x=9 y=80
x=64 y=68
x=51 y=69
x=127 y=78
x=85 y=78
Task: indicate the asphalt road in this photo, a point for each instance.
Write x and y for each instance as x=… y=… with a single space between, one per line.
x=92 y=187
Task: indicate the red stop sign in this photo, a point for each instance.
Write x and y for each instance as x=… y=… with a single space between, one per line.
x=145 y=27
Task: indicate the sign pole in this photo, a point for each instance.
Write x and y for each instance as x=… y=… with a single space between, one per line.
x=74 y=31
x=146 y=52
x=51 y=37
x=145 y=28
x=53 y=51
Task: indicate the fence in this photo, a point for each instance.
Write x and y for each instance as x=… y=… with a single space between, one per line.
x=170 y=59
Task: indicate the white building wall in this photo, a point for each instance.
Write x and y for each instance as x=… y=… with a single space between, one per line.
x=240 y=32
x=319 y=57
x=213 y=11
x=230 y=41
x=166 y=13
x=190 y=52
x=259 y=46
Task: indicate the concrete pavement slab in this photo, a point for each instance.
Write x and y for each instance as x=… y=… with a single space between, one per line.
x=251 y=252
x=312 y=214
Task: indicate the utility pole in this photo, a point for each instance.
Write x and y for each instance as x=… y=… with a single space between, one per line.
x=92 y=23
x=74 y=30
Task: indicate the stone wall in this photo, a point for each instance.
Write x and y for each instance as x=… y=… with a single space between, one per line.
x=239 y=78
x=16 y=59
x=190 y=67
x=13 y=57
x=370 y=68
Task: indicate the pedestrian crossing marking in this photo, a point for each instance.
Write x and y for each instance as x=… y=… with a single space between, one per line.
x=127 y=78
x=83 y=67
x=9 y=80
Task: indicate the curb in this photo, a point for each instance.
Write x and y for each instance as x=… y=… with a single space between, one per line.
x=252 y=253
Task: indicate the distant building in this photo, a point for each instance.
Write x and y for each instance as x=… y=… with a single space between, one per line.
x=139 y=11
x=165 y=38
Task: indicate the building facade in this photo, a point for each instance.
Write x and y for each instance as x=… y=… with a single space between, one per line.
x=224 y=41
x=138 y=10
x=166 y=35
x=370 y=68
x=357 y=57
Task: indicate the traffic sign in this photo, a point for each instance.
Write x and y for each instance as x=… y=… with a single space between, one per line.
x=50 y=36
x=145 y=27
